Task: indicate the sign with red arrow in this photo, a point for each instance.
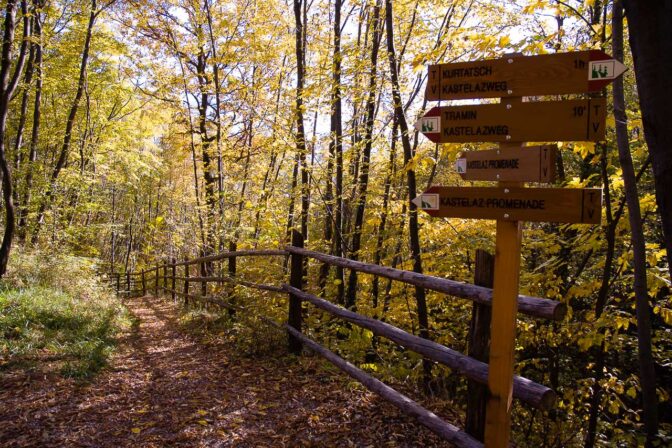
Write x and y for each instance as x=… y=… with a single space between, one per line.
x=543 y=121
x=549 y=74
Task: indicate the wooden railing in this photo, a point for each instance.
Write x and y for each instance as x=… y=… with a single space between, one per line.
x=165 y=279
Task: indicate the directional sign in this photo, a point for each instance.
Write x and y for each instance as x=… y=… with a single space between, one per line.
x=543 y=121
x=551 y=74
x=569 y=205
x=527 y=164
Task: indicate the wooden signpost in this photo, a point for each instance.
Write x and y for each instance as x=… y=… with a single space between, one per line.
x=567 y=205
x=527 y=164
x=512 y=122
x=571 y=120
x=516 y=76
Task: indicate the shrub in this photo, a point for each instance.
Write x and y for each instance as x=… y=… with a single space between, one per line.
x=53 y=309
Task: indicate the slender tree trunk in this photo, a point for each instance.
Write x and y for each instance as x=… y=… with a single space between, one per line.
x=337 y=139
x=218 y=118
x=421 y=301
x=113 y=238
x=35 y=133
x=292 y=200
x=23 y=113
x=300 y=131
x=335 y=143
x=70 y=123
x=7 y=87
x=647 y=374
x=380 y=239
x=269 y=184
x=600 y=303
x=363 y=184
x=209 y=181
x=192 y=144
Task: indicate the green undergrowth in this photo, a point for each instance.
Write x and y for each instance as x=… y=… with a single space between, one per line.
x=55 y=315
x=244 y=330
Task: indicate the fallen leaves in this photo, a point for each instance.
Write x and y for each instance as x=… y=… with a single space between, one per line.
x=165 y=389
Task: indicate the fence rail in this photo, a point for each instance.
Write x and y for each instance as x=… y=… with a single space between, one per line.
x=165 y=279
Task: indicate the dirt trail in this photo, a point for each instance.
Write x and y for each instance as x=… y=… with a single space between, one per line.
x=163 y=388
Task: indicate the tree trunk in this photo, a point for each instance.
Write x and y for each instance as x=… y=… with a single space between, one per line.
x=23 y=113
x=380 y=238
x=647 y=374
x=7 y=87
x=300 y=131
x=209 y=180
x=363 y=183
x=37 y=115
x=649 y=24
x=268 y=184
x=335 y=146
x=70 y=123
x=421 y=301
x=218 y=118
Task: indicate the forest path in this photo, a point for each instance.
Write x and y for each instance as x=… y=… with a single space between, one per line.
x=164 y=388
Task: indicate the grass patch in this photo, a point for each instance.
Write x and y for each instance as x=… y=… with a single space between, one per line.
x=67 y=322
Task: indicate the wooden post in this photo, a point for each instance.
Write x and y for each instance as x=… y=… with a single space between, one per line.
x=186 y=283
x=295 y=280
x=156 y=280
x=118 y=283
x=165 y=276
x=144 y=284
x=479 y=345
x=503 y=326
x=173 y=269
x=128 y=284
x=204 y=285
x=231 y=268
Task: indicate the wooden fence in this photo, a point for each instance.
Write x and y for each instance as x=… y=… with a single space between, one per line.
x=472 y=366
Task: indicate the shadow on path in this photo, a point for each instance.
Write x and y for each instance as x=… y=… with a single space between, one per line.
x=165 y=389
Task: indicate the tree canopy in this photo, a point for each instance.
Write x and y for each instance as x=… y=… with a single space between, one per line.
x=141 y=131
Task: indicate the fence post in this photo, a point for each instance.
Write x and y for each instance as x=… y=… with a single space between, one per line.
x=165 y=276
x=128 y=284
x=204 y=285
x=173 y=269
x=186 y=283
x=118 y=283
x=479 y=346
x=156 y=280
x=144 y=284
x=233 y=246
x=295 y=280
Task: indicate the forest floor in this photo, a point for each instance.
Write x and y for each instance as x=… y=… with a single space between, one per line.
x=165 y=388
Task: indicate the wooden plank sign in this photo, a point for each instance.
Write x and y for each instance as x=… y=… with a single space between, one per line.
x=567 y=205
x=526 y=164
x=550 y=74
x=571 y=120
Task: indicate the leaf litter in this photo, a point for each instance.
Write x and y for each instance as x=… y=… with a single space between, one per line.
x=165 y=388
